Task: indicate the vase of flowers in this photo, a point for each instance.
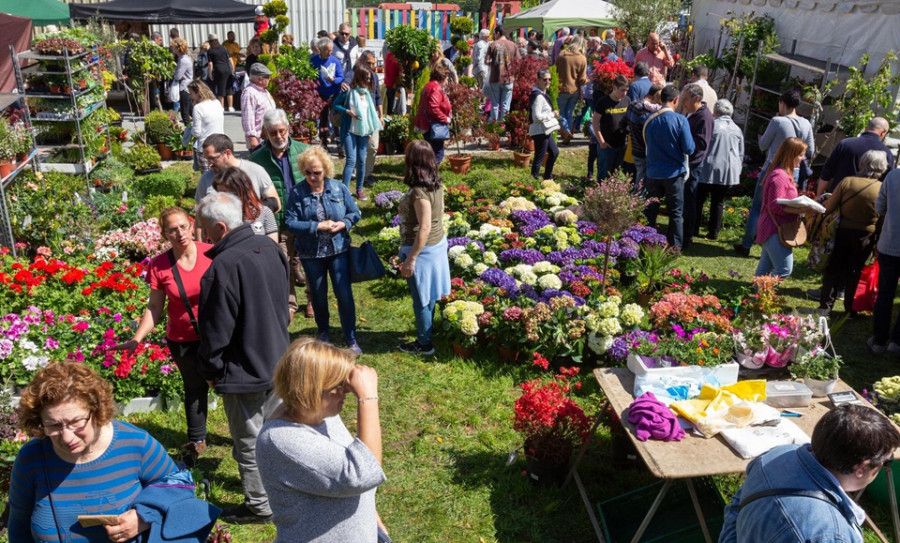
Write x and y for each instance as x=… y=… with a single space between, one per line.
x=819 y=371
x=552 y=425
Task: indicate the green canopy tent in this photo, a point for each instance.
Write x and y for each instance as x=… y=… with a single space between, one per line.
x=41 y=12
x=555 y=14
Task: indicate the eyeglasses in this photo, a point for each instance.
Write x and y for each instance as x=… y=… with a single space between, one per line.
x=179 y=229
x=282 y=131
x=213 y=158
x=316 y=173
x=345 y=33
x=56 y=428
x=547 y=79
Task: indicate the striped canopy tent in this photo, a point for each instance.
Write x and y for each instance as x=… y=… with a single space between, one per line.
x=555 y=14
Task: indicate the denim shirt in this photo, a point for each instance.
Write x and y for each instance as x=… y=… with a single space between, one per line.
x=300 y=216
x=787 y=519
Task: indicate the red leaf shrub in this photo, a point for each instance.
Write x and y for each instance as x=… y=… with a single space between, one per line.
x=525 y=71
x=300 y=100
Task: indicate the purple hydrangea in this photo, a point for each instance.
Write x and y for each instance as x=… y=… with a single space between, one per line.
x=531 y=221
x=464 y=241
x=550 y=293
x=500 y=279
x=386 y=200
x=396 y=220
x=527 y=256
x=646 y=235
x=571 y=273
x=586 y=227
x=618 y=351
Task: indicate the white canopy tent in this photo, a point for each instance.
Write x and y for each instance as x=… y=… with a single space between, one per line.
x=555 y=14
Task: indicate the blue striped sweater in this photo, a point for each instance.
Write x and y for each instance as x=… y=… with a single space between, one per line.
x=107 y=485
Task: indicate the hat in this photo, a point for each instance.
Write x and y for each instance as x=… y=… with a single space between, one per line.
x=259 y=69
x=212 y=36
x=258 y=10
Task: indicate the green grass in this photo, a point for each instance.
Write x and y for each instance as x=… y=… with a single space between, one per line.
x=447 y=422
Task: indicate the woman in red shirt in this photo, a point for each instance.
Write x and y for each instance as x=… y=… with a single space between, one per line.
x=434 y=107
x=181 y=332
x=776 y=258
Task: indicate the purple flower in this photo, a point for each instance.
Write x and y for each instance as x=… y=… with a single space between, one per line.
x=50 y=344
x=619 y=349
x=586 y=227
x=6 y=347
x=395 y=221
x=464 y=241
x=528 y=256
x=117 y=317
x=166 y=369
x=530 y=221
x=386 y=200
x=500 y=279
x=550 y=293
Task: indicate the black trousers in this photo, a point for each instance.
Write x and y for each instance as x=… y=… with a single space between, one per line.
x=716 y=194
x=851 y=250
x=187 y=107
x=196 y=390
x=544 y=145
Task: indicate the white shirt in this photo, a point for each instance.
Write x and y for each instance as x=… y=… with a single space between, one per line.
x=209 y=119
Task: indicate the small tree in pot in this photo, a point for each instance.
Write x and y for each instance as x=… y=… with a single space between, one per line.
x=300 y=100
x=466 y=122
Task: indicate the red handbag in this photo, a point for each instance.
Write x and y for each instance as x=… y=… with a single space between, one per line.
x=867 y=289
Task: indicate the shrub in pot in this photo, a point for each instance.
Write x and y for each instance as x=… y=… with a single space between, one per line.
x=466 y=121
x=142 y=157
x=300 y=100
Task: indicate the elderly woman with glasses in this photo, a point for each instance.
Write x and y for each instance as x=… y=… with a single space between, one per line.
x=320 y=213
x=80 y=462
x=359 y=120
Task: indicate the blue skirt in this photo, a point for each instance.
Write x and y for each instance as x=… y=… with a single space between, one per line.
x=432 y=273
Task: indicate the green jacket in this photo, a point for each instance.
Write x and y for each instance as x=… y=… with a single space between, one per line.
x=263 y=157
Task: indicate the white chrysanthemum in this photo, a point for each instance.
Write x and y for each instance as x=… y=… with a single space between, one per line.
x=464 y=261
x=455 y=251
x=609 y=327
x=599 y=344
x=479 y=268
x=543 y=267
x=490 y=258
x=468 y=324
x=632 y=315
x=550 y=281
x=608 y=309
x=565 y=217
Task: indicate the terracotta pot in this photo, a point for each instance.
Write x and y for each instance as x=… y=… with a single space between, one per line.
x=493 y=145
x=508 y=355
x=165 y=152
x=529 y=144
x=54 y=89
x=21 y=157
x=460 y=163
x=462 y=352
x=5 y=167
x=521 y=160
x=187 y=154
x=644 y=299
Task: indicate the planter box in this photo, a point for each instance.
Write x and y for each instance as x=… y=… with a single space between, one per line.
x=724 y=374
x=141 y=405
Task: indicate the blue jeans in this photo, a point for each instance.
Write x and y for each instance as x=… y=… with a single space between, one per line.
x=424 y=314
x=608 y=160
x=755 y=210
x=673 y=190
x=338 y=266
x=888 y=275
x=501 y=98
x=567 y=103
x=438 y=147
x=776 y=259
x=355 y=149
x=640 y=184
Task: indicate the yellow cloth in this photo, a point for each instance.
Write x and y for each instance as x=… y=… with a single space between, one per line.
x=234 y=51
x=629 y=156
x=733 y=405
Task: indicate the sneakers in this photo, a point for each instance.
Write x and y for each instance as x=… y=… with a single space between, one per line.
x=324 y=336
x=816 y=293
x=192 y=450
x=361 y=195
x=354 y=346
x=741 y=250
x=414 y=347
x=231 y=110
x=242 y=514
x=876 y=348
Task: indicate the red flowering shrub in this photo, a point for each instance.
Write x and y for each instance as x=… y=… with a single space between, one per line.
x=525 y=72
x=605 y=73
x=549 y=420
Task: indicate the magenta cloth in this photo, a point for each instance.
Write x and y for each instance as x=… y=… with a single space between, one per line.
x=652 y=419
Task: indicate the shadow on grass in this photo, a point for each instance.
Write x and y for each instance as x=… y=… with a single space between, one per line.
x=390 y=288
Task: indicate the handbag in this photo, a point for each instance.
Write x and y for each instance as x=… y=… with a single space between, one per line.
x=867 y=288
x=365 y=265
x=439 y=132
x=791 y=234
x=174 y=91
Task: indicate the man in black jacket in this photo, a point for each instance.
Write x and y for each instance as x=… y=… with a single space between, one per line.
x=243 y=319
x=701 y=121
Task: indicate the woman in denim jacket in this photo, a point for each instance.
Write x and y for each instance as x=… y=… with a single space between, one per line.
x=320 y=213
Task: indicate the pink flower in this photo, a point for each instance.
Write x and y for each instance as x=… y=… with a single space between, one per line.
x=166 y=369
x=50 y=344
x=43 y=250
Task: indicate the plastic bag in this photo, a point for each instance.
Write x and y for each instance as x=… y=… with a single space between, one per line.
x=867 y=289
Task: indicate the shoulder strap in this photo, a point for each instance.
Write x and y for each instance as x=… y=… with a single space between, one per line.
x=184 y=297
x=49 y=493
x=795 y=492
x=855 y=194
x=650 y=118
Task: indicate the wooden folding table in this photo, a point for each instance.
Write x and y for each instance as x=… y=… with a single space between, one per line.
x=693 y=456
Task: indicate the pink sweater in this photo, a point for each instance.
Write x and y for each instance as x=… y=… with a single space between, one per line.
x=778 y=184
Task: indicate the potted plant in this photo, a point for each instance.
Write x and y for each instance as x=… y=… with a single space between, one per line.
x=460 y=323
x=552 y=425
x=148 y=62
x=7 y=149
x=57 y=46
x=164 y=131
x=142 y=158
x=300 y=100
x=652 y=264
x=517 y=127
x=396 y=128
x=818 y=369
x=412 y=48
x=492 y=131
x=466 y=122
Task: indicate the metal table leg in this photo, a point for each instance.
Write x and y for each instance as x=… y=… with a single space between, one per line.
x=588 y=507
x=653 y=508
x=698 y=510
x=584 y=445
x=892 y=495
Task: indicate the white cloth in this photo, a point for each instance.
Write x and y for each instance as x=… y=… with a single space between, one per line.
x=209 y=119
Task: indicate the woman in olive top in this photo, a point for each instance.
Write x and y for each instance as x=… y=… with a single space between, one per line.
x=423 y=242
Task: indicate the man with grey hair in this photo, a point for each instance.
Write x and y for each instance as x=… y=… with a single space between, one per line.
x=844 y=159
x=255 y=102
x=721 y=169
x=243 y=320
x=343 y=45
x=700 y=120
x=558 y=44
x=479 y=50
x=331 y=75
x=278 y=157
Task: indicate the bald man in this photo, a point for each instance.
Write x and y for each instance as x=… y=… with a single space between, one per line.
x=844 y=159
x=657 y=56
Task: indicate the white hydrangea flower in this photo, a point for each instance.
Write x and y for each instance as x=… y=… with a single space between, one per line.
x=455 y=251
x=608 y=309
x=632 y=315
x=554 y=201
x=599 y=344
x=490 y=258
x=550 y=281
x=551 y=185
x=464 y=261
x=479 y=268
x=468 y=324
x=609 y=327
x=615 y=299
x=591 y=321
x=544 y=266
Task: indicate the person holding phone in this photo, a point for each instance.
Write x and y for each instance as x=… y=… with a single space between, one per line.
x=657 y=57
x=80 y=462
x=321 y=480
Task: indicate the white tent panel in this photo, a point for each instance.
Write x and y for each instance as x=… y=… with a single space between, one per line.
x=556 y=14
